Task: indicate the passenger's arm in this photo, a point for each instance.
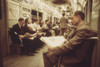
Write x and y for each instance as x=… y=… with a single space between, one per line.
x=13 y=32
x=29 y=30
x=72 y=43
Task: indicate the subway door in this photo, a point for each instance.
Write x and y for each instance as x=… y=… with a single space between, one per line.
x=98 y=45
x=96 y=53
x=1 y=59
x=3 y=31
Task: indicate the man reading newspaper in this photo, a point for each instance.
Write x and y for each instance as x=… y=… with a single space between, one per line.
x=69 y=56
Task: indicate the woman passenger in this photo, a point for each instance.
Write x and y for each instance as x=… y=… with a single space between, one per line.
x=37 y=40
x=29 y=46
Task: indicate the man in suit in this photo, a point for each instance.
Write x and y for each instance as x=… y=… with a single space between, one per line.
x=63 y=24
x=72 y=51
x=17 y=32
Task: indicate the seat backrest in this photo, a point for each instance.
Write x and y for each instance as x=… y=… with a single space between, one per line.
x=87 y=47
x=93 y=56
x=82 y=55
x=14 y=41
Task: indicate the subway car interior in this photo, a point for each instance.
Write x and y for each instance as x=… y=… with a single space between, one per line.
x=49 y=33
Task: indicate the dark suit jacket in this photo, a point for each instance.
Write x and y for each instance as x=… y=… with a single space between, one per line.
x=15 y=31
x=75 y=49
x=28 y=30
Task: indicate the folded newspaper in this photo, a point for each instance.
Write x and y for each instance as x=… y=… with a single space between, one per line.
x=30 y=36
x=53 y=41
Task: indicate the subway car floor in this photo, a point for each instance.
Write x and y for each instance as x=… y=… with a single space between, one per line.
x=24 y=60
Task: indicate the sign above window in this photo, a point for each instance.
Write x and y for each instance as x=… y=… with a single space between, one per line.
x=29 y=1
x=17 y=1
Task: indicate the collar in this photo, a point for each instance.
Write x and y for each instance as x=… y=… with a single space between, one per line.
x=82 y=23
x=19 y=25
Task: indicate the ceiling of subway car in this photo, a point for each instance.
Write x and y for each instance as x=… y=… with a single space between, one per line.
x=59 y=2
x=68 y=2
x=62 y=2
x=73 y=4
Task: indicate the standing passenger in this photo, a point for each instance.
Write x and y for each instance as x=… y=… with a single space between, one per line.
x=63 y=24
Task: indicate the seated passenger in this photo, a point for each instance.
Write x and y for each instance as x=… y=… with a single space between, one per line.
x=56 y=28
x=75 y=38
x=38 y=29
x=17 y=32
x=44 y=26
x=36 y=25
x=47 y=26
x=28 y=26
x=29 y=46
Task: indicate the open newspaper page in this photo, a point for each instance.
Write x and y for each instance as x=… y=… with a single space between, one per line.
x=53 y=41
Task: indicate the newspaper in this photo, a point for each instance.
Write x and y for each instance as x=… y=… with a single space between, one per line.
x=53 y=41
x=30 y=36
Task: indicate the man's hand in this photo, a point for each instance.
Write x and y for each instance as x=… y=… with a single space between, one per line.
x=52 y=57
x=50 y=48
x=21 y=36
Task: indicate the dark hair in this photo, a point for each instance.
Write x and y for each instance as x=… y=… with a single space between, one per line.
x=80 y=13
x=26 y=20
x=46 y=20
x=20 y=19
x=63 y=14
x=36 y=20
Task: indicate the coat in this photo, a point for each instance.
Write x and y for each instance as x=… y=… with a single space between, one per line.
x=15 y=31
x=75 y=49
x=63 y=22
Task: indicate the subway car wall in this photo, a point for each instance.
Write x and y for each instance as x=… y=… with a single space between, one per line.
x=15 y=10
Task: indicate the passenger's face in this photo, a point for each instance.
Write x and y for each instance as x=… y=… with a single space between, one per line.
x=22 y=23
x=29 y=21
x=37 y=21
x=47 y=22
x=75 y=20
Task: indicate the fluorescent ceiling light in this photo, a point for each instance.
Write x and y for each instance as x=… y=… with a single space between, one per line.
x=74 y=1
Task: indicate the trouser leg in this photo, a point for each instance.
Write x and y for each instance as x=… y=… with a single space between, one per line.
x=62 y=31
x=22 y=50
x=50 y=59
x=47 y=62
